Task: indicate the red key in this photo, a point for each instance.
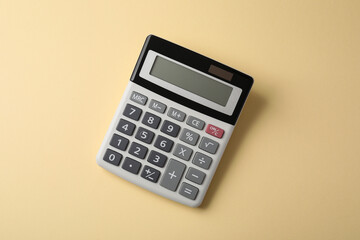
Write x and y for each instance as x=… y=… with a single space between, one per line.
x=214 y=131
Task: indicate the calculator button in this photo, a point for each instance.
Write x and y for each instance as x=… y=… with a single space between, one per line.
x=132 y=112
x=208 y=145
x=157 y=106
x=112 y=157
x=201 y=160
x=144 y=135
x=188 y=191
x=131 y=165
x=214 y=131
x=170 y=128
x=195 y=176
x=150 y=174
x=119 y=142
x=172 y=175
x=163 y=143
x=125 y=127
x=189 y=137
x=157 y=159
x=195 y=122
x=151 y=120
x=176 y=114
x=182 y=152
x=138 y=98
x=138 y=150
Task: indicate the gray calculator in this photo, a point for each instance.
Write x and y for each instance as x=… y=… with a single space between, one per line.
x=174 y=121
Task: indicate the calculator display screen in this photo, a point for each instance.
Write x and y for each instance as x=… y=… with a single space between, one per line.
x=191 y=81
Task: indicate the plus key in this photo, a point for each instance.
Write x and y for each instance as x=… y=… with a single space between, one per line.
x=172 y=175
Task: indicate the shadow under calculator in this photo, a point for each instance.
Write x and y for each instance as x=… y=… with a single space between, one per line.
x=251 y=111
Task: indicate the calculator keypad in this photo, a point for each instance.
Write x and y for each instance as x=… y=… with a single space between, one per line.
x=180 y=144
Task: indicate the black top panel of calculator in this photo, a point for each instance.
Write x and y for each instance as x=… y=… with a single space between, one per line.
x=196 y=61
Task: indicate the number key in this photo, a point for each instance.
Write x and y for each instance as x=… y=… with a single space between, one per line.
x=119 y=142
x=132 y=112
x=170 y=128
x=151 y=120
x=138 y=150
x=163 y=143
x=157 y=159
x=112 y=157
x=144 y=135
x=125 y=127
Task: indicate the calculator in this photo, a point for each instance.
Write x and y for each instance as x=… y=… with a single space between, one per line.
x=174 y=121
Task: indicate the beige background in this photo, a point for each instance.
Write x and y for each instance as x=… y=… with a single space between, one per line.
x=291 y=169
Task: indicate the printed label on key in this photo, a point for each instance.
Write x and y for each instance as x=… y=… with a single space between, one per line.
x=150 y=174
x=176 y=114
x=132 y=112
x=170 y=128
x=195 y=175
x=157 y=106
x=214 y=131
x=208 y=145
x=172 y=175
x=201 y=160
x=195 y=122
x=189 y=137
x=188 y=191
x=157 y=159
x=138 y=98
x=182 y=152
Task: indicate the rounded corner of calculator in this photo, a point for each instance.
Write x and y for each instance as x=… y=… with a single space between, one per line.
x=99 y=161
x=251 y=79
x=196 y=204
